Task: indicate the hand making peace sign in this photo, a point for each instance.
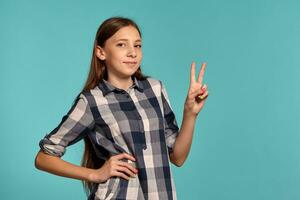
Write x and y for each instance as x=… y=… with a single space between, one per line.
x=197 y=93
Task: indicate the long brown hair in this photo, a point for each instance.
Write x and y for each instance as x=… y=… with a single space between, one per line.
x=98 y=72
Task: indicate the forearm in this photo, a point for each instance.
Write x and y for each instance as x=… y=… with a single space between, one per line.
x=57 y=166
x=183 y=142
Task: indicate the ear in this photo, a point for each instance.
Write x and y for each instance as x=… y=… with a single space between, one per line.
x=100 y=53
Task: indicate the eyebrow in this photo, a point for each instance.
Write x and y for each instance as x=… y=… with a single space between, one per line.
x=138 y=40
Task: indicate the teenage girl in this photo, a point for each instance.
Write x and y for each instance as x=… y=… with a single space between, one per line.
x=127 y=123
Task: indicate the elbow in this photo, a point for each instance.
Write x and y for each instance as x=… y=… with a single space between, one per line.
x=38 y=160
x=178 y=163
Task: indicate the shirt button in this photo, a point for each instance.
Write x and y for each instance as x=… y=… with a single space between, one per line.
x=144 y=146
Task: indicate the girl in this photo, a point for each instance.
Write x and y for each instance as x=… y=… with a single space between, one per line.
x=126 y=121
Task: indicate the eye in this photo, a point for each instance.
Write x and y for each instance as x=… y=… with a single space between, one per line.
x=139 y=46
x=120 y=44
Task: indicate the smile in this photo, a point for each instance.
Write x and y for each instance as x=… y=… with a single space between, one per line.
x=130 y=62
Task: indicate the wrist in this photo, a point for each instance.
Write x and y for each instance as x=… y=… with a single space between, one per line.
x=91 y=175
x=190 y=115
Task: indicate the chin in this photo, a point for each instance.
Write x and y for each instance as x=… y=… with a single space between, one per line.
x=128 y=74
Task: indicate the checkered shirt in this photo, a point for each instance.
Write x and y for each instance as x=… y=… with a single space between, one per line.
x=139 y=121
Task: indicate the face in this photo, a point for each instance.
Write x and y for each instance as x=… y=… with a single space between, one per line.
x=122 y=52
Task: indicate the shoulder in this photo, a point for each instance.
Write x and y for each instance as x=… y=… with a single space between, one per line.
x=153 y=85
x=90 y=96
x=154 y=82
x=92 y=93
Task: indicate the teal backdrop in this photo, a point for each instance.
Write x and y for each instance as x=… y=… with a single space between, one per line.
x=246 y=141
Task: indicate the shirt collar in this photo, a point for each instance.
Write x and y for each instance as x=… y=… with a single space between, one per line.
x=106 y=87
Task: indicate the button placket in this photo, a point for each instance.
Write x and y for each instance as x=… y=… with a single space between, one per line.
x=140 y=123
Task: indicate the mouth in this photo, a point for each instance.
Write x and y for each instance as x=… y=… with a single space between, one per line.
x=130 y=62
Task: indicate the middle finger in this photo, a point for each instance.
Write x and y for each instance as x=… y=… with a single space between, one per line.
x=129 y=166
x=201 y=73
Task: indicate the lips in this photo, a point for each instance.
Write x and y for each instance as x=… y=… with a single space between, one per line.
x=130 y=62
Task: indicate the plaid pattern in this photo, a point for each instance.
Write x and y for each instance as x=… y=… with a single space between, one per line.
x=139 y=121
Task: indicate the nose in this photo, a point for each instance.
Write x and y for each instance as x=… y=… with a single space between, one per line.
x=131 y=51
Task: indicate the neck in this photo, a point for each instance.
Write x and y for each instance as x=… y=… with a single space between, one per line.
x=121 y=83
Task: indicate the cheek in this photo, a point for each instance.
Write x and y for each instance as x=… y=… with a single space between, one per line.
x=140 y=55
x=117 y=57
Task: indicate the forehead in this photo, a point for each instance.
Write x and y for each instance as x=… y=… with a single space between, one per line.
x=126 y=33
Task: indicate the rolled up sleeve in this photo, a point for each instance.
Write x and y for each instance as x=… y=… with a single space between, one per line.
x=74 y=126
x=171 y=126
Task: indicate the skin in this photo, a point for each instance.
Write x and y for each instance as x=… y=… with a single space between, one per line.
x=197 y=94
x=115 y=53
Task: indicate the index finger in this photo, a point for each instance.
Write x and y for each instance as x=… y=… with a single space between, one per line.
x=124 y=155
x=192 y=73
x=201 y=73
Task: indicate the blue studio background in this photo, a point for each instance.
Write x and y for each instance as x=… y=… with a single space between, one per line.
x=246 y=140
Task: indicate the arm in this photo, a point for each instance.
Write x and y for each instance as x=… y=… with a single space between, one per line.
x=112 y=167
x=184 y=140
x=57 y=166
x=74 y=126
x=193 y=105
